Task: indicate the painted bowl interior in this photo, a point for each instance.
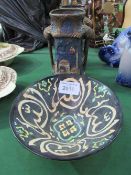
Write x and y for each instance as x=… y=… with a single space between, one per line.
x=61 y=126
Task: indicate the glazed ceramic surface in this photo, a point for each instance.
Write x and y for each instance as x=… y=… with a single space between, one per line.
x=59 y=126
x=8 y=52
x=8 y=79
x=112 y=54
x=124 y=73
x=71 y=40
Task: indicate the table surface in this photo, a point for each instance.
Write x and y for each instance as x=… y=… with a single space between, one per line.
x=15 y=159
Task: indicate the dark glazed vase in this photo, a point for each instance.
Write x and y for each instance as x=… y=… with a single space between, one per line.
x=70 y=40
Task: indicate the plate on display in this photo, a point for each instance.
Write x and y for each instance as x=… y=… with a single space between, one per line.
x=8 y=52
x=66 y=117
x=8 y=79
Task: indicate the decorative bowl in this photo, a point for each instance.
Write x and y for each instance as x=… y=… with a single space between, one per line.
x=8 y=79
x=8 y=52
x=53 y=124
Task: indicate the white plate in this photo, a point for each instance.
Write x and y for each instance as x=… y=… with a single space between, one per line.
x=8 y=52
x=8 y=79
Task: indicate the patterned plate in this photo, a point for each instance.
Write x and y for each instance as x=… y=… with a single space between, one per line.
x=61 y=126
x=8 y=79
x=8 y=52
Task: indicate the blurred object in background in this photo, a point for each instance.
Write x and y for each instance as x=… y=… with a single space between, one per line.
x=73 y=2
x=127 y=19
x=105 y=15
x=108 y=39
x=23 y=21
x=1 y=33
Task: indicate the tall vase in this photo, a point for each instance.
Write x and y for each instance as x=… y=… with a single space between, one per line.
x=124 y=72
x=70 y=40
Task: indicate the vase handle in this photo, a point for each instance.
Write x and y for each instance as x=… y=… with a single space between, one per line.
x=48 y=36
x=87 y=34
x=86 y=45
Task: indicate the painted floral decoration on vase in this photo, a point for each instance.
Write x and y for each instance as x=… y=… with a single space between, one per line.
x=111 y=54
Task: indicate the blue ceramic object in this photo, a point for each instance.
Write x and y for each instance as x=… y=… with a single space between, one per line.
x=111 y=54
x=123 y=80
x=123 y=34
x=124 y=73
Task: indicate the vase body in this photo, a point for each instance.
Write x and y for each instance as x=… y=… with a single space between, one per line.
x=66 y=28
x=68 y=55
x=70 y=41
x=124 y=72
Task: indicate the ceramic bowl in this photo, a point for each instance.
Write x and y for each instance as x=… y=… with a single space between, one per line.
x=8 y=79
x=8 y=52
x=66 y=117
